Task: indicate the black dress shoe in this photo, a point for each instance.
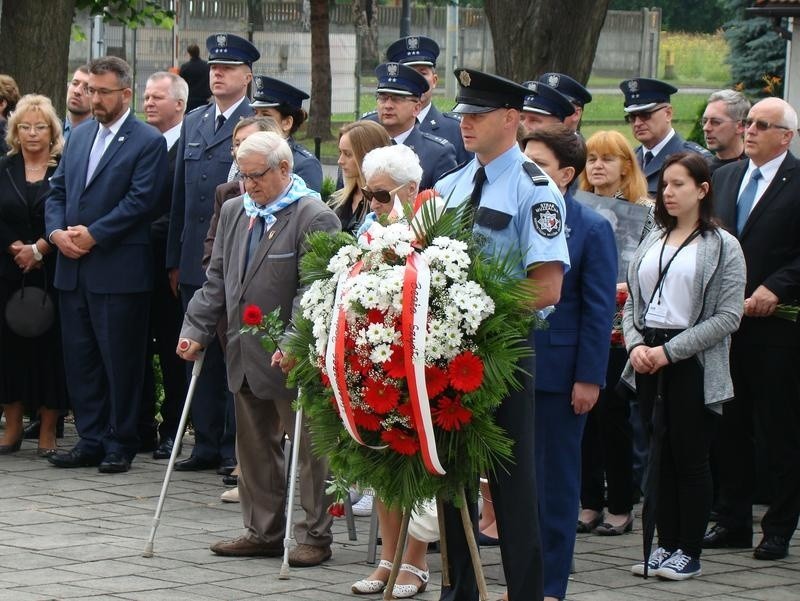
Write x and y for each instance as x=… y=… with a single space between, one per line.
x=772 y=546
x=114 y=463
x=230 y=480
x=7 y=449
x=226 y=466
x=75 y=458
x=720 y=537
x=164 y=450
x=194 y=464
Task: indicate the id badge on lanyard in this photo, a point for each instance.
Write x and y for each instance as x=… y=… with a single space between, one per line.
x=655 y=311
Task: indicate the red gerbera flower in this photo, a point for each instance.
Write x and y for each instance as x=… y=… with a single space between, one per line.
x=252 y=315
x=466 y=372
x=358 y=363
x=405 y=410
x=381 y=396
x=395 y=367
x=436 y=380
x=451 y=414
x=400 y=442
x=368 y=421
x=375 y=316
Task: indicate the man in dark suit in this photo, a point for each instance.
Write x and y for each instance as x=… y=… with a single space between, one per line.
x=420 y=53
x=203 y=162
x=398 y=97
x=98 y=214
x=648 y=110
x=758 y=199
x=164 y=105
x=260 y=242
x=195 y=73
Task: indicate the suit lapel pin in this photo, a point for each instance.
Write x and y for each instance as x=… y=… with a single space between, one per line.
x=121 y=139
x=271 y=235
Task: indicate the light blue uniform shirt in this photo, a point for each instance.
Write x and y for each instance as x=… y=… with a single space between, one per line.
x=522 y=219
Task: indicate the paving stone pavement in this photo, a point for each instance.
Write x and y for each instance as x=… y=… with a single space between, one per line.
x=79 y=534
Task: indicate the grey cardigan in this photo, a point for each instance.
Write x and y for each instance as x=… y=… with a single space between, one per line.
x=718 y=304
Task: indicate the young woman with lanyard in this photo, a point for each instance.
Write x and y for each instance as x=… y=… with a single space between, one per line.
x=686 y=284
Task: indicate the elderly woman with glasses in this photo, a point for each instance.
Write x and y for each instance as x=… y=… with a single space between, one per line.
x=31 y=369
x=392 y=175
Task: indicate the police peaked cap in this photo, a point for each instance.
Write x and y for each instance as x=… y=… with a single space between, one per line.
x=643 y=94
x=229 y=49
x=545 y=100
x=481 y=92
x=394 y=78
x=413 y=50
x=270 y=92
x=576 y=93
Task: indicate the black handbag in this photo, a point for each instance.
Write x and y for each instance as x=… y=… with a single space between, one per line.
x=30 y=311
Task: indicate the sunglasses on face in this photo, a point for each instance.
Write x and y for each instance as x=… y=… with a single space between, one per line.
x=382 y=196
x=762 y=125
x=632 y=117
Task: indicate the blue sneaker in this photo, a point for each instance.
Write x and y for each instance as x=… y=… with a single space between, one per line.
x=680 y=567
x=657 y=559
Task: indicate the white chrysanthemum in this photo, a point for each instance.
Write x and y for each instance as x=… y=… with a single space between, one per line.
x=380 y=353
x=344 y=259
x=377 y=333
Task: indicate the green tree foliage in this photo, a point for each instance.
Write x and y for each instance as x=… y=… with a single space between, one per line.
x=130 y=12
x=700 y=16
x=757 y=53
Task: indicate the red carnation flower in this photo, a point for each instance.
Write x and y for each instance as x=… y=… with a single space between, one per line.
x=395 y=367
x=466 y=372
x=400 y=442
x=336 y=509
x=381 y=396
x=436 y=380
x=252 y=315
x=368 y=421
x=451 y=414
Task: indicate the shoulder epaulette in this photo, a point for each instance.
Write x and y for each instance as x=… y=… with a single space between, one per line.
x=368 y=114
x=303 y=150
x=437 y=139
x=454 y=116
x=537 y=175
x=200 y=108
x=694 y=146
x=456 y=168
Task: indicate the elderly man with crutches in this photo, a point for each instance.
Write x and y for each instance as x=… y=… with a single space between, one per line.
x=260 y=242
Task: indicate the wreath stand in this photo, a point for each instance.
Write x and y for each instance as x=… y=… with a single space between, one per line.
x=471 y=543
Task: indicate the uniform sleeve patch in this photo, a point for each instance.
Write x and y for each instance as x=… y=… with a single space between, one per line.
x=547 y=219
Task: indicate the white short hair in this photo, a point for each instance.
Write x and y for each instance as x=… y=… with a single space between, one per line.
x=399 y=162
x=268 y=145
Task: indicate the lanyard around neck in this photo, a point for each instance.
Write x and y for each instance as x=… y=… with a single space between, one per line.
x=662 y=272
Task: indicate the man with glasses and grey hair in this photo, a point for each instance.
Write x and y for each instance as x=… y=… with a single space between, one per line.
x=259 y=244
x=648 y=110
x=723 y=126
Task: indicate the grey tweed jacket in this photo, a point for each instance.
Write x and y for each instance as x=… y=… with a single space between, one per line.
x=718 y=304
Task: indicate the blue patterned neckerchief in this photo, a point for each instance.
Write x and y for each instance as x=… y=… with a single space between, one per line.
x=296 y=190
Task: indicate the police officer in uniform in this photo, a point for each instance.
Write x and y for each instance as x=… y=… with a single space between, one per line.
x=284 y=103
x=544 y=106
x=648 y=110
x=577 y=94
x=519 y=212
x=398 y=97
x=203 y=162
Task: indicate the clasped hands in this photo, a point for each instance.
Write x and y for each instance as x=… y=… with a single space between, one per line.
x=648 y=359
x=23 y=256
x=73 y=242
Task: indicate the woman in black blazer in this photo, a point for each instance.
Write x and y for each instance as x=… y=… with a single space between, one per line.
x=31 y=369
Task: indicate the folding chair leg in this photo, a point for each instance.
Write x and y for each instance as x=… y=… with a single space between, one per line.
x=372 y=544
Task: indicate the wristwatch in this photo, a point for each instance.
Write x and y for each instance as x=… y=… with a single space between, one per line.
x=36 y=254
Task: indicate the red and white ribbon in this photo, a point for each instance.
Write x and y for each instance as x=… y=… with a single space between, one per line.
x=414 y=331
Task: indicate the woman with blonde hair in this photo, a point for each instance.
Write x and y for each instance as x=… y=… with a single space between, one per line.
x=355 y=141
x=612 y=171
x=31 y=368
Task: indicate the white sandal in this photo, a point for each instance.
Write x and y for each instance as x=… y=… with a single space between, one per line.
x=405 y=591
x=369 y=587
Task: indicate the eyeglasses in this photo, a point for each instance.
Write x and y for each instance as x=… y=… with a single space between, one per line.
x=253 y=176
x=632 y=117
x=762 y=125
x=383 y=98
x=382 y=196
x=715 y=122
x=102 y=91
x=39 y=128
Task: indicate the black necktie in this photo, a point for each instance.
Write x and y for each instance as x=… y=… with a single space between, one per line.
x=648 y=156
x=479 y=179
x=254 y=239
x=220 y=122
